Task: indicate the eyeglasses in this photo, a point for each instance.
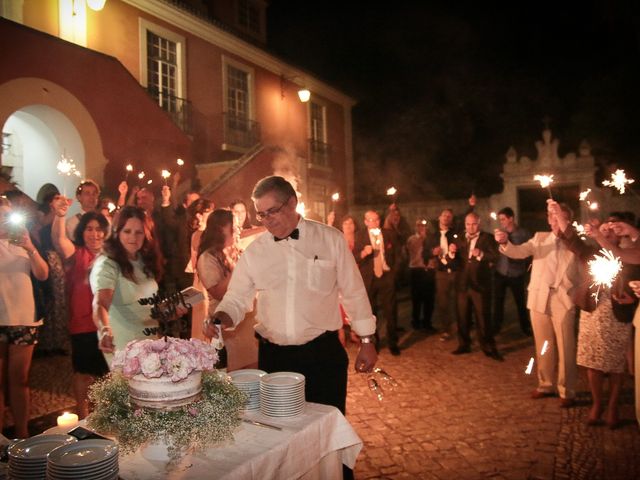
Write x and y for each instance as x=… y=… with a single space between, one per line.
x=271 y=212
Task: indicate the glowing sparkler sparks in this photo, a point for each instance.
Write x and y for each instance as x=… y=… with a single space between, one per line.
x=585 y=194
x=544 y=180
x=111 y=207
x=141 y=175
x=579 y=229
x=594 y=206
x=493 y=215
x=529 y=368
x=545 y=347
x=149 y=182
x=335 y=197
x=180 y=162
x=66 y=167
x=392 y=191
x=129 y=168
x=619 y=181
x=376 y=233
x=604 y=269
x=165 y=174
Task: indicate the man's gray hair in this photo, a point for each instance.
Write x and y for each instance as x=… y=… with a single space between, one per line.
x=282 y=189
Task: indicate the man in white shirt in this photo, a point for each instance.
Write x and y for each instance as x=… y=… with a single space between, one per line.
x=88 y=194
x=297 y=272
x=554 y=275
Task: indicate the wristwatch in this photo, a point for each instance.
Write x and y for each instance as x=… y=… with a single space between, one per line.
x=368 y=339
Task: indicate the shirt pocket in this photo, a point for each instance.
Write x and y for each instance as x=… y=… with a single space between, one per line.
x=321 y=275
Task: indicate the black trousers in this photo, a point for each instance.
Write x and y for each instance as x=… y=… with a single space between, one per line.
x=517 y=286
x=323 y=361
x=480 y=303
x=382 y=294
x=423 y=292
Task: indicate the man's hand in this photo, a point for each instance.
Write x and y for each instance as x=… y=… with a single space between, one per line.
x=500 y=236
x=366 y=359
x=209 y=326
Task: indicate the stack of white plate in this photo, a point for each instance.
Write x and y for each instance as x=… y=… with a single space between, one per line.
x=248 y=381
x=92 y=459
x=28 y=457
x=282 y=394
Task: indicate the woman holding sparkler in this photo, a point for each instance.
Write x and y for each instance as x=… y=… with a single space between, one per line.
x=605 y=323
x=18 y=320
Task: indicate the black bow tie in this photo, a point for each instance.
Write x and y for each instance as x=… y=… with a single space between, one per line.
x=295 y=235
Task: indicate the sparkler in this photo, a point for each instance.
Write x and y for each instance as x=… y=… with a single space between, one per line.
x=165 y=174
x=111 y=207
x=392 y=191
x=545 y=347
x=376 y=233
x=335 y=197
x=180 y=162
x=129 y=169
x=149 y=182
x=579 y=229
x=66 y=167
x=619 y=181
x=594 y=206
x=585 y=194
x=141 y=175
x=529 y=368
x=604 y=269
x=545 y=182
x=583 y=197
x=493 y=215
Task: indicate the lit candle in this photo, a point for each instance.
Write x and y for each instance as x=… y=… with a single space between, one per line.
x=67 y=420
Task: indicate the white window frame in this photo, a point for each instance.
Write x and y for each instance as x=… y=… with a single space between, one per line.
x=179 y=40
x=323 y=106
x=226 y=61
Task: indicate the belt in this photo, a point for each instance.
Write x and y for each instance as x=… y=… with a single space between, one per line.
x=322 y=336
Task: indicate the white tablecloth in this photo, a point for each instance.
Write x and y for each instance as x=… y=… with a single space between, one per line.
x=313 y=445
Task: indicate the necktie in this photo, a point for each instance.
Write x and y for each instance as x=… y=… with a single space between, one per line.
x=470 y=241
x=444 y=243
x=295 y=235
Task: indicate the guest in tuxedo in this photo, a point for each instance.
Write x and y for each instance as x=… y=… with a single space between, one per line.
x=440 y=254
x=377 y=253
x=554 y=275
x=477 y=252
x=511 y=274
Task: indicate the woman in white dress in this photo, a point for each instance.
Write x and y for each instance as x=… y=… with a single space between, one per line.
x=128 y=270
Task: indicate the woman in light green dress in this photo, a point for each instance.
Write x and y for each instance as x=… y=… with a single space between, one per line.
x=128 y=270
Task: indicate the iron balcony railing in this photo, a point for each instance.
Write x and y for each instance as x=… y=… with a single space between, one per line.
x=179 y=109
x=319 y=153
x=239 y=131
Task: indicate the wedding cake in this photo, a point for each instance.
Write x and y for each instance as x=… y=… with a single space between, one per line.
x=165 y=374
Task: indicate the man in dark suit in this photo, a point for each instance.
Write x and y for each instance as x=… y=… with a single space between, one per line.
x=477 y=252
x=377 y=253
x=440 y=255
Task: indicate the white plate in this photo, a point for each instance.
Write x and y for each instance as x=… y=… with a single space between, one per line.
x=98 y=467
x=282 y=379
x=36 y=448
x=246 y=376
x=87 y=452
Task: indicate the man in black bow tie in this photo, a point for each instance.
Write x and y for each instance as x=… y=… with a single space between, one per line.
x=478 y=252
x=297 y=273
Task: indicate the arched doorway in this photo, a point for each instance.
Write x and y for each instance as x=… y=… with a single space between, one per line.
x=34 y=140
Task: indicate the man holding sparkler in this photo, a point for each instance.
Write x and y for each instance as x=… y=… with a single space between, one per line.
x=88 y=194
x=554 y=275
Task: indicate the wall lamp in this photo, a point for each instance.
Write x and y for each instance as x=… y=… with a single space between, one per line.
x=303 y=93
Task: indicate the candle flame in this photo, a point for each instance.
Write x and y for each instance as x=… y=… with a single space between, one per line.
x=180 y=162
x=141 y=175
x=545 y=347
x=529 y=368
x=545 y=180
x=129 y=168
x=335 y=197
x=165 y=174
x=604 y=269
x=392 y=191
x=493 y=215
x=585 y=194
x=619 y=181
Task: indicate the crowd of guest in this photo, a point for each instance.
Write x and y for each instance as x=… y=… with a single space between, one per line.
x=71 y=283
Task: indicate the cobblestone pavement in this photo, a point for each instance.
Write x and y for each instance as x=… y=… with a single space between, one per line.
x=451 y=417
x=470 y=417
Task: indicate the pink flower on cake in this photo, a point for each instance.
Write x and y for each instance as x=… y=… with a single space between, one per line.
x=131 y=366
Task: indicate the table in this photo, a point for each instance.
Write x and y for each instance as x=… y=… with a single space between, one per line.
x=311 y=446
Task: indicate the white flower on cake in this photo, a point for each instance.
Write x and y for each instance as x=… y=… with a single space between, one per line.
x=151 y=366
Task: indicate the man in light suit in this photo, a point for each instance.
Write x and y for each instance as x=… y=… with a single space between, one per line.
x=554 y=274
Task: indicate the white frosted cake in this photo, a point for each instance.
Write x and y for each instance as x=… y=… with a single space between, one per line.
x=163 y=393
x=165 y=374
